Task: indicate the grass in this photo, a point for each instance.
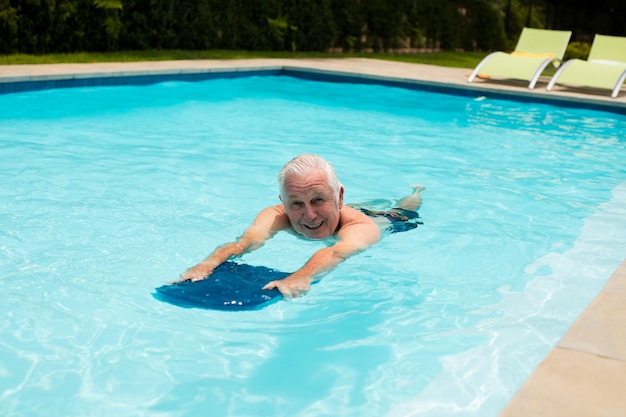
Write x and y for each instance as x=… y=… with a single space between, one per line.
x=445 y=59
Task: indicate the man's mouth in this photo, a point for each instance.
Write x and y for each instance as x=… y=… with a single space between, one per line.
x=314 y=227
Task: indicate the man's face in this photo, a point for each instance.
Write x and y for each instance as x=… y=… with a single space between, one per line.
x=311 y=205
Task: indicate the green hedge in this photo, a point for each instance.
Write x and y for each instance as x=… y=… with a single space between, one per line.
x=52 y=26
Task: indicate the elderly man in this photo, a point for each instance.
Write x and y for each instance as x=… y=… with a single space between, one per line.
x=311 y=207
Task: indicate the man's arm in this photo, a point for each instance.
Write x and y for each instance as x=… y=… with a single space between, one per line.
x=356 y=236
x=267 y=224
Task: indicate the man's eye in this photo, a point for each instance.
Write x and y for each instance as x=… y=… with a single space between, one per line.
x=318 y=201
x=297 y=204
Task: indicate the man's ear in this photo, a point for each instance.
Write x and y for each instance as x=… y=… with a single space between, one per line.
x=341 y=197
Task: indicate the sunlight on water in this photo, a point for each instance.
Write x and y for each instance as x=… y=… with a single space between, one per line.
x=107 y=193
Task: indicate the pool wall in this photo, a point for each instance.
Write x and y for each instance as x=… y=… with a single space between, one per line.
x=14 y=82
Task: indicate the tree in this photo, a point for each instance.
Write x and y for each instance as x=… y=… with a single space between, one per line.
x=9 y=28
x=111 y=21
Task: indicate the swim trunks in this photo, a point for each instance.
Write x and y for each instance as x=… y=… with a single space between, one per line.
x=401 y=220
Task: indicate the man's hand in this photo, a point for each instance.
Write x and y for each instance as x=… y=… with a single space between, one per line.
x=196 y=273
x=290 y=287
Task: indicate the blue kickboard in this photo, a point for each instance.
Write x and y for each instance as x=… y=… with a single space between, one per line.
x=231 y=286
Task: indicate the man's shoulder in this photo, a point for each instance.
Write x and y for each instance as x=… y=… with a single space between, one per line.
x=277 y=216
x=278 y=209
x=351 y=211
x=350 y=215
x=357 y=227
x=272 y=218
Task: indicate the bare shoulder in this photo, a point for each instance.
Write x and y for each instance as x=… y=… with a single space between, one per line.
x=356 y=225
x=271 y=220
x=277 y=210
x=350 y=215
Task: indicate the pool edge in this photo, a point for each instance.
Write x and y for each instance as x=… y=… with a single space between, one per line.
x=465 y=90
x=412 y=76
x=585 y=373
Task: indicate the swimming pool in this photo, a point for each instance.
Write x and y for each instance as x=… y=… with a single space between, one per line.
x=108 y=192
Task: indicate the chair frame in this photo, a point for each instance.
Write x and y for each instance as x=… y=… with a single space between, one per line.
x=524 y=49
x=533 y=79
x=615 y=89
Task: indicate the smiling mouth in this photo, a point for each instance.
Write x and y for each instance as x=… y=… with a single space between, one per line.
x=313 y=227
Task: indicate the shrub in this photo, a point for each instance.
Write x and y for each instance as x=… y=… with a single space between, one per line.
x=579 y=50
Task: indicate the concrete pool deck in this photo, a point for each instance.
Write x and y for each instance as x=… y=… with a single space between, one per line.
x=585 y=373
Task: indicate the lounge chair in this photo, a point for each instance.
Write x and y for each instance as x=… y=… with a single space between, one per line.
x=605 y=67
x=535 y=50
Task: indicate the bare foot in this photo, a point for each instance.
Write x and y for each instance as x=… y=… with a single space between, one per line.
x=414 y=201
x=417 y=188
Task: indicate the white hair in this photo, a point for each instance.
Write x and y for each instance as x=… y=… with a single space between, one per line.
x=303 y=165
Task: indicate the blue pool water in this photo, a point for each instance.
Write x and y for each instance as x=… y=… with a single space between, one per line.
x=108 y=192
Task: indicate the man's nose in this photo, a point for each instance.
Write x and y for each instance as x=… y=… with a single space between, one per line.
x=309 y=212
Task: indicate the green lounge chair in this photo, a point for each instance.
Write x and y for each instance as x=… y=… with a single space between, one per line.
x=535 y=50
x=605 y=67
